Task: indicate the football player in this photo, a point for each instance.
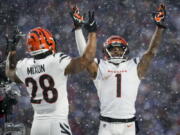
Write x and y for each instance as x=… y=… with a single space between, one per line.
x=45 y=76
x=117 y=78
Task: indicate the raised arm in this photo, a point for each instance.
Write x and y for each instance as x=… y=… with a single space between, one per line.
x=78 y=21
x=78 y=64
x=154 y=43
x=11 y=66
x=11 y=58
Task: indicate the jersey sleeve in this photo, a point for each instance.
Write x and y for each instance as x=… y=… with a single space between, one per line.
x=102 y=72
x=63 y=60
x=80 y=41
x=133 y=65
x=19 y=71
x=136 y=60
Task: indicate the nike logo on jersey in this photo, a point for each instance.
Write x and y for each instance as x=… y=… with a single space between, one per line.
x=35 y=69
x=129 y=125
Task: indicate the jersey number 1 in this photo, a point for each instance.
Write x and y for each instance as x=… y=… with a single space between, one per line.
x=45 y=89
x=118 y=85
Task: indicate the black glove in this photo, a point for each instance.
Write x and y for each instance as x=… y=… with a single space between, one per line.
x=12 y=42
x=78 y=19
x=159 y=16
x=91 y=25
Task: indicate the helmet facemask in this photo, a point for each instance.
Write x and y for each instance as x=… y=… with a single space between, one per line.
x=116 y=42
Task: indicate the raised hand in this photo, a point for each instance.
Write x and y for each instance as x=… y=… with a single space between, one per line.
x=91 y=25
x=12 y=42
x=78 y=19
x=159 y=16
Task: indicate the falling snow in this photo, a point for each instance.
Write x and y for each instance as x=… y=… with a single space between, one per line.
x=158 y=102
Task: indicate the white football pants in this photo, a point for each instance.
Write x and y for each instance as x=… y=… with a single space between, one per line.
x=117 y=128
x=50 y=127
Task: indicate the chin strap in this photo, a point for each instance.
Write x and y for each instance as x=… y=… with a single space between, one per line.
x=116 y=60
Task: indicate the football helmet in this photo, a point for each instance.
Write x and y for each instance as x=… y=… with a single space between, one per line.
x=110 y=43
x=39 y=41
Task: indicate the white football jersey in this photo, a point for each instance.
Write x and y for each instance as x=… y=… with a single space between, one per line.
x=117 y=87
x=46 y=84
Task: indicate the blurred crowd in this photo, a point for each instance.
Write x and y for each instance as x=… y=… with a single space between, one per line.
x=158 y=102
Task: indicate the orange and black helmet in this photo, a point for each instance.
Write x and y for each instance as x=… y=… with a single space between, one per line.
x=115 y=41
x=40 y=40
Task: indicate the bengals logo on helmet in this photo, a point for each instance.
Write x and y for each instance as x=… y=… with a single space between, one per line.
x=40 y=40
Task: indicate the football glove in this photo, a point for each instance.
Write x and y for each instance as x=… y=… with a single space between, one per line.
x=78 y=19
x=12 y=42
x=91 y=25
x=159 y=16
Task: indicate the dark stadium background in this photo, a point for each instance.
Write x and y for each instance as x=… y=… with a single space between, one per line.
x=158 y=101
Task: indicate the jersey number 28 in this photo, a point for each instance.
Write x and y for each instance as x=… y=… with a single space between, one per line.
x=45 y=89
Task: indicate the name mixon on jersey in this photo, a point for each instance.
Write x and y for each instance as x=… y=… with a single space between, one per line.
x=36 y=69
